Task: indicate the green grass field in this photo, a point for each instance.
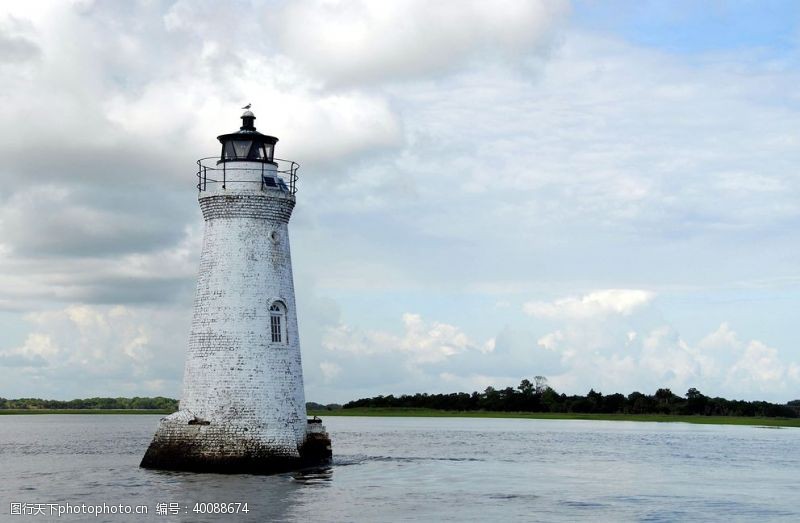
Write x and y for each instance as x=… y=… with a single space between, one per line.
x=663 y=418
x=431 y=413
x=85 y=411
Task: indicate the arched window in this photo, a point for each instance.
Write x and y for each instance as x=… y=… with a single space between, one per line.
x=277 y=322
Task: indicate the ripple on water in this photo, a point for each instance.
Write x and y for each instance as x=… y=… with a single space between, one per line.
x=431 y=470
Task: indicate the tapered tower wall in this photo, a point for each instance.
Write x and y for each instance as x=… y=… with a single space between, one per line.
x=234 y=372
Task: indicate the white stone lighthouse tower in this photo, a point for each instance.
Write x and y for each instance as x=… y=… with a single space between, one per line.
x=243 y=405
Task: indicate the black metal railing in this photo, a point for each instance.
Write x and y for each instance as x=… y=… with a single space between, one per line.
x=211 y=171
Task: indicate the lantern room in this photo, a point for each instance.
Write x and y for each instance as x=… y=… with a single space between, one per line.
x=247 y=145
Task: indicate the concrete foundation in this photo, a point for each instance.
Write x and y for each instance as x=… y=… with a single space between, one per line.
x=185 y=442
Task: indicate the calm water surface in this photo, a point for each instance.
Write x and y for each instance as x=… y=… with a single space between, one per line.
x=426 y=469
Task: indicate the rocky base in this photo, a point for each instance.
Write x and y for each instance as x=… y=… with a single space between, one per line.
x=199 y=446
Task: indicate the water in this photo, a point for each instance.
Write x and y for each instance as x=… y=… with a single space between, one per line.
x=425 y=469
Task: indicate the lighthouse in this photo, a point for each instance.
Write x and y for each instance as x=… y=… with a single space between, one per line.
x=243 y=404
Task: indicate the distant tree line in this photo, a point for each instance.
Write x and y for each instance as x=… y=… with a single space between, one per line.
x=538 y=396
x=157 y=403
x=319 y=406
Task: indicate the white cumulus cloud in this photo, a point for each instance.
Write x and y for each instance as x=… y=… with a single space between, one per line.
x=358 y=41
x=719 y=364
x=96 y=350
x=330 y=371
x=421 y=342
x=595 y=304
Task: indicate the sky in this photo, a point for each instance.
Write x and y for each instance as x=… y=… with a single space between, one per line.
x=602 y=193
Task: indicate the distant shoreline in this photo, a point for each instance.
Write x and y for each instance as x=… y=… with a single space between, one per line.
x=660 y=418
x=432 y=413
x=84 y=411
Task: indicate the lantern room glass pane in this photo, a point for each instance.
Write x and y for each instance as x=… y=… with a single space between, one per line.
x=229 y=152
x=247 y=150
x=241 y=147
x=257 y=152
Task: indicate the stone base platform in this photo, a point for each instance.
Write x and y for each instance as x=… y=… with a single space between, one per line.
x=184 y=442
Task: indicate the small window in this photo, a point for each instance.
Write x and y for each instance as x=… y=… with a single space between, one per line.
x=274 y=237
x=277 y=322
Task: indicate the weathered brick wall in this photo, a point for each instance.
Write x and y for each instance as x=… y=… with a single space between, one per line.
x=248 y=389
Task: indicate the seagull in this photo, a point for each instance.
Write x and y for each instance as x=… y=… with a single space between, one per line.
x=247 y=106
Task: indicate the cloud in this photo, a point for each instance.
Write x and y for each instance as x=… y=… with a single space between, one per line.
x=421 y=343
x=99 y=144
x=162 y=275
x=84 y=350
x=54 y=221
x=759 y=368
x=316 y=128
x=551 y=340
x=356 y=362
x=623 y=353
x=16 y=48
x=595 y=304
x=667 y=358
x=33 y=353
x=330 y=370
x=613 y=360
x=456 y=155
x=357 y=42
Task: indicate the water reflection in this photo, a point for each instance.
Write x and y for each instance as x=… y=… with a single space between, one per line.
x=268 y=498
x=314 y=476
